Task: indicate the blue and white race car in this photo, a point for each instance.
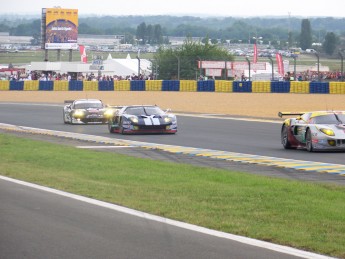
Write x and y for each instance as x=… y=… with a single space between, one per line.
x=142 y=119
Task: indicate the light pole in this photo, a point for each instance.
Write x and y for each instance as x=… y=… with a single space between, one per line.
x=248 y=68
x=200 y=66
x=178 y=66
x=342 y=66
x=294 y=66
x=138 y=66
x=318 y=66
x=272 y=77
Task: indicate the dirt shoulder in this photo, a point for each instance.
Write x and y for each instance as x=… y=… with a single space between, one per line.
x=243 y=104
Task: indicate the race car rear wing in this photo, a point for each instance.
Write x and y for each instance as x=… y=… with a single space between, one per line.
x=281 y=114
x=68 y=101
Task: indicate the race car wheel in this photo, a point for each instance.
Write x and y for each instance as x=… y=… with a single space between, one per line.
x=70 y=120
x=64 y=118
x=111 y=129
x=285 y=138
x=309 y=141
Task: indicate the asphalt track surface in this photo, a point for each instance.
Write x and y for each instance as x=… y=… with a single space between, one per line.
x=257 y=138
x=37 y=224
x=50 y=226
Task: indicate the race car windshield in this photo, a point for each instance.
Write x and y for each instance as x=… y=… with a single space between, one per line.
x=329 y=119
x=88 y=105
x=144 y=110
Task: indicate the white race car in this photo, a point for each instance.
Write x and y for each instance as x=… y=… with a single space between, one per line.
x=318 y=130
x=85 y=111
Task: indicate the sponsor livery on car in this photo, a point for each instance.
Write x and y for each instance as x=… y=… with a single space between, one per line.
x=85 y=111
x=315 y=131
x=142 y=119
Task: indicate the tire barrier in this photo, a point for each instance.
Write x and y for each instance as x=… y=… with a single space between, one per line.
x=188 y=86
x=280 y=87
x=123 y=85
x=319 y=88
x=138 y=85
x=242 y=87
x=299 y=87
x=206 y=86
x=261 y=87
x=153 y=85
x=224 y=86
x=61 y=86
x=4 y=85
x=337 y=88
x=46 y=86
x=76 y=86
x=17 y=85
x=31 y=85
x=106 y=86
x=171 y=85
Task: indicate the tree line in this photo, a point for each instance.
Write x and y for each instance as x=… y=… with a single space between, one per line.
x=281 y=32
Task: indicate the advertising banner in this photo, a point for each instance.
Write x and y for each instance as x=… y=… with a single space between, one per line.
x=61 y=28
x=213 y=72
x=245 y=66
x=212 y=64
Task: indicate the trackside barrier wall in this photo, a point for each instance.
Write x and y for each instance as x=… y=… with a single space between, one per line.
x=46 y=85
x=31 y=85
x=4 y=85
x=90 y=85
x=337 y=87
x=319 y=87
x=299 y=87
x=171 y=85
x=206 y=86
x=153 y=85
x=280 y=87
x=61 y=85
x=223 y=86
x=261 y=86
x=16 y=85
x=123 y=85
x=182 y=86
x=188 y=86
x=242 y=86
x=138 y=85
x=106 y=86
x=76 y=85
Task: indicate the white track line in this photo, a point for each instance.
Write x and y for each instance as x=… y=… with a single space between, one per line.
x=241 y=239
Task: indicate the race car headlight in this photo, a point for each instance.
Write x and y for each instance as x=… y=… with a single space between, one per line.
x=134 y=119
x=108 y=113
x=167 y=119
x=78 y=113
x=328 y=132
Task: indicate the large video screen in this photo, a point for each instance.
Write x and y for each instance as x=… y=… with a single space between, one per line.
x=61 y=30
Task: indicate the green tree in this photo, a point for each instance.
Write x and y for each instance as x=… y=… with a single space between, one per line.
x=330 y=43
x=188 y=56
x=158 y=34
x=306 y=36
x=141 y=33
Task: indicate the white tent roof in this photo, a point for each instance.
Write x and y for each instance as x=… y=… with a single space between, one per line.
x=123 y=67
x=120 y=67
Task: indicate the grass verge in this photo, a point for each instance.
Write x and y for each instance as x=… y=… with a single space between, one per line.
x=299 y=214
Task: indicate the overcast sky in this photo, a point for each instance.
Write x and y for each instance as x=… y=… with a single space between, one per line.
x=234 y=8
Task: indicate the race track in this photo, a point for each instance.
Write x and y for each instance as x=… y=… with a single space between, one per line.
x=220 y=133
